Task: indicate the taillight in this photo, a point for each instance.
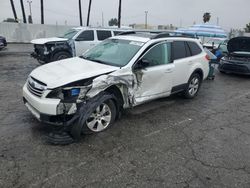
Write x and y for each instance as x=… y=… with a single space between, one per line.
x=207 y=57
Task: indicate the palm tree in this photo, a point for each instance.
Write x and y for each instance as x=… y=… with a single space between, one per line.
x=13 y=9
x=42 y=13
x=90 y=2
x=206 y=17
x=80 y=12
x=23 y=11
x=119 y=13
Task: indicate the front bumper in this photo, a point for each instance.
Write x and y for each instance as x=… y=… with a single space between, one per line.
x=234 y=67
x=41 y=58
x=47 y=110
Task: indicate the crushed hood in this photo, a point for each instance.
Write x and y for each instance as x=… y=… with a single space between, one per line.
x=45 y=40
x=239 y=44
x=66 y=71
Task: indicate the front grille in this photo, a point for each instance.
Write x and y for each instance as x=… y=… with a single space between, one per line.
x=235 y=68
x=240 y=59
x=39 y=49
x=36 y=87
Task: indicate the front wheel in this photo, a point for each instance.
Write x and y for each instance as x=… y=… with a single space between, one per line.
x=61 y=55
x=193 y=87
x=101 y=118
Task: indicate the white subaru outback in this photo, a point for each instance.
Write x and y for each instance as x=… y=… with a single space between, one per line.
x=87 y=93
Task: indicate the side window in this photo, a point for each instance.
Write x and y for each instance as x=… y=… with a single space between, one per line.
x=102 y=35
x=179 y=50
x=159 y=54
x=87 y=35
x=195 y=49
x=117 y=32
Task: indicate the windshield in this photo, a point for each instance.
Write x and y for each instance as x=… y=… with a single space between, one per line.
x=215 y=41
x=69 y=34
x=114 y=52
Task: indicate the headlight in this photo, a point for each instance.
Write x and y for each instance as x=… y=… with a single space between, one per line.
x=69 y=93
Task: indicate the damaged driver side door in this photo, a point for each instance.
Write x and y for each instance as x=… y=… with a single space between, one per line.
x=154 y=73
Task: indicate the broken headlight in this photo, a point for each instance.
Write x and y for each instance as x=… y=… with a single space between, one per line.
x=69 y=93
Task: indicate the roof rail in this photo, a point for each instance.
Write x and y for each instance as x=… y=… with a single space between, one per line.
x=127 y=33
x=157 y=34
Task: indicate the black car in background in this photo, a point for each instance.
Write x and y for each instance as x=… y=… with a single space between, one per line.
x=3 y=43
x=238 y=58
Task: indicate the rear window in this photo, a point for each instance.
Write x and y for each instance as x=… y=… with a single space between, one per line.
x=102 y=35
x=179 y=50
x=195 y=49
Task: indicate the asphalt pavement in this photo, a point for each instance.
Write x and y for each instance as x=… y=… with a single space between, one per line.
x=171 y=142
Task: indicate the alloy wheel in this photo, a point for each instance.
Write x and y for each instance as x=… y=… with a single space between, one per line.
x=100 y=118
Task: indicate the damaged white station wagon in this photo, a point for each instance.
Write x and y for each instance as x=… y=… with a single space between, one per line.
x=87 y=93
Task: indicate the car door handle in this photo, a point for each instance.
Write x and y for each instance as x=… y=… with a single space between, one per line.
x=168 y=70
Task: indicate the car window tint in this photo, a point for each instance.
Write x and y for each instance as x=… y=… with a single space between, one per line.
x=179 y=50
x=102 y=35
x=87 y=35
x=159 y=54
x=195 y=49
x=117 y=32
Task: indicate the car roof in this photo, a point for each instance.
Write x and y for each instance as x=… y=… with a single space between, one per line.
x=145 y=37
x=102 y=28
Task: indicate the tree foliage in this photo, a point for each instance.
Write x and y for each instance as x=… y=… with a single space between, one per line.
x=113 y=22
x=10 y=20
x=206 y=17
x=247 y=29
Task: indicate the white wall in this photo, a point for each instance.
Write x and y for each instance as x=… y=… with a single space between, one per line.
x=19 y=32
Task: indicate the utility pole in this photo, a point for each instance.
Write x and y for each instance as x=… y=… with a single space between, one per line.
x=23 y=11
x=146 y=19
x=80 y=12
x=90 y=2
x=30 y=16
x=102 y=20
x=13 y=9
x=42 y=13
x=119 y=13
x=217 y=21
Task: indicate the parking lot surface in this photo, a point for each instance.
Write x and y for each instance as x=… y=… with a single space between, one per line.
x=171 y=142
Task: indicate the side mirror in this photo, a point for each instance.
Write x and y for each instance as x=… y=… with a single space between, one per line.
x=142 y=64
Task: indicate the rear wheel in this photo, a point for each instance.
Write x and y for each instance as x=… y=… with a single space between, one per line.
x=61 y=55
x=101 y=118
x=193 y=86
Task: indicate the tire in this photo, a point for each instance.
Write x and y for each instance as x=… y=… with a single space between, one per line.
x=101 y=118
x=223 y=72
x=193 y=87
x=61 y=55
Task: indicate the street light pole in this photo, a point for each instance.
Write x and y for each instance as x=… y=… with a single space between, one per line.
x=90 y=2
x=119 y=13
x=29 y=1
x=23 y=11
x=30 y=16
x=80 y=12
x=42 y=12
x=146 y=19
x=13 y=9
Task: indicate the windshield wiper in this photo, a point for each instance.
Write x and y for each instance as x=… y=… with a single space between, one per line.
x=93 y=59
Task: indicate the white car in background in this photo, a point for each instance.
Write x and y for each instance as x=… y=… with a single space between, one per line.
x=87 y=93
x=73 y=43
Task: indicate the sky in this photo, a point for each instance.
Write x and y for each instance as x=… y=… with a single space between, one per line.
x=229 y=13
